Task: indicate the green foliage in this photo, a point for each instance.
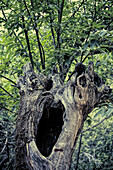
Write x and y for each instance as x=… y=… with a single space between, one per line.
x=9 y=102
x=97 y=147
x=104 y=111
x=50 y=34
x=84 y=27
x=7 y=139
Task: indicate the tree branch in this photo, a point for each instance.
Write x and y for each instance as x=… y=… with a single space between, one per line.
x=73 y=14
x=6 y=91
x=52 y=31
x=98 y=123
x=2 y=107
x=6 y=141
x=5 y=4
x=8 y=79
x=19 y=41
x=3 y=14
x=109 y=23
x=91 y=26
x=51 y=22
x=43 y=53
x=97 y=51
x=12 y=29
x=26 y=7
x=27 y=41
x=78 y=8
x=60 y=12
x=67 y=69
x=80 y=142
x=37 y=34
x=78 y=154
x=39 y=45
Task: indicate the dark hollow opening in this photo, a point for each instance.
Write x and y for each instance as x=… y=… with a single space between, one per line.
x=97 y=80
x=49 y=85
x=49 y=127
x=80 y=96
x=82 y=81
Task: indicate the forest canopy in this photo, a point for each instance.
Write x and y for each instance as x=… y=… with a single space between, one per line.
x=55 y=35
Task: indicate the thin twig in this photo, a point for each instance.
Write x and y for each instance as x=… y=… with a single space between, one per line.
x=73 y=14
x=6 y=109
x=91 y=26
x=6 y=91
x=26 y=7
x=4 y=145
x=109 y=23
x=98 y=123
x=78 y=154
x=60 y=12
x=77 y=9
x=52 y=31
x=12 y=29
x=3 y=14
x=8 y=79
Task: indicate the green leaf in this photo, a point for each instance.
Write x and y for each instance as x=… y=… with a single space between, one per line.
x=103 y=32
x=109 y=111
x=99 y=112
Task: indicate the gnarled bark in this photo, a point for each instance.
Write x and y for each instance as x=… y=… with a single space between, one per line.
x=51 y=116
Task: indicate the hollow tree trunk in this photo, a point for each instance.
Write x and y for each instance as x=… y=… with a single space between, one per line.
x=51 y=116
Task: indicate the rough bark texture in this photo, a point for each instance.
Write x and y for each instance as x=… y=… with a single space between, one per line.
x=51 y=116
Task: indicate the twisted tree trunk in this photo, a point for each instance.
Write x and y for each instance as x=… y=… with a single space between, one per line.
x=51 y=116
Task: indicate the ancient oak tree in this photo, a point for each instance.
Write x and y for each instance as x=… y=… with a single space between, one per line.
x=51 y=116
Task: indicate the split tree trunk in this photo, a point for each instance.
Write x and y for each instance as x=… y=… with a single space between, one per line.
x=51 y=116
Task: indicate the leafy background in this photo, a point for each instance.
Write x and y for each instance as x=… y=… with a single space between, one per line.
x=55 y=35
